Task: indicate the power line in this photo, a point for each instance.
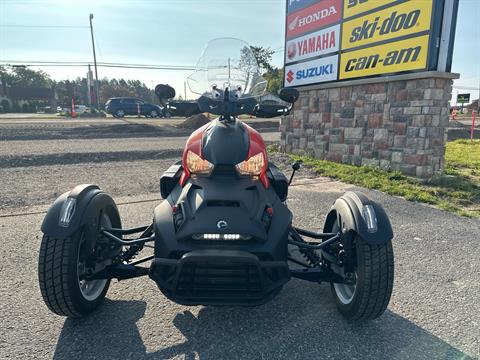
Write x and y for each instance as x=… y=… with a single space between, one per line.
x=45 y=26
x=464 y=87
x=103 y=64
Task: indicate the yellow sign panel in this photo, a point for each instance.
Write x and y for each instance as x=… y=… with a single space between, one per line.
x=403 y=55
x=403 y=19
x=354 y=7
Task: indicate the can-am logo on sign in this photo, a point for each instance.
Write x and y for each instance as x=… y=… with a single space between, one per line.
x=321 y=42
x=313 y=17
x=314 y=71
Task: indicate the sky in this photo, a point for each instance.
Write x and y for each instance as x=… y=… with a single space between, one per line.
x=171 y=32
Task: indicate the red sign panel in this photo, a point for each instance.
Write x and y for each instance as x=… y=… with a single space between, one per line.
x=313 y=17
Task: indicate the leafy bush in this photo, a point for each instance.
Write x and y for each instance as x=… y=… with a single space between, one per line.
x=5 y=106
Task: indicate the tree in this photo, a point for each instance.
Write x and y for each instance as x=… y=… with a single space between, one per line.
x=5 y=75
x=22 y=76
x=263 y=57
x=275 y=80
x=273 y=75
x=77 y=89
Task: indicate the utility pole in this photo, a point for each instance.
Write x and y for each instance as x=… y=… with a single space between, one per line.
x=153 y=93
x=94 y=63
x=185 y=89
x=478 y=101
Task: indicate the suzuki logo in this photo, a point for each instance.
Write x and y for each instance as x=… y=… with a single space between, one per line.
x=315 y=71
x=290 y=76
x=222 y=224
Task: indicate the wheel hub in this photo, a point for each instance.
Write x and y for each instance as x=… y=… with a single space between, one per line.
x=90 y=289
x=346 y=292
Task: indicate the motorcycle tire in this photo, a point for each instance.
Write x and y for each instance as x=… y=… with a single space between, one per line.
x=59 y=267
x=368 y=298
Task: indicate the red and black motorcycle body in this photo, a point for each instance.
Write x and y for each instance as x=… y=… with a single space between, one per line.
x=221 y=238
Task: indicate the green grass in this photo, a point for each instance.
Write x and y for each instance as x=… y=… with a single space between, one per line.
x=463 y=157
x=458 y=190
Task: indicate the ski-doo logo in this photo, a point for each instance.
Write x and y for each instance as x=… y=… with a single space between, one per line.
x=394 y=23
x=313 y=17
x=290 y=76
x=400 y=20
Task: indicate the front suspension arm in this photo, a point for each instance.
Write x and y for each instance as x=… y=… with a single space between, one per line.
x=119 y=272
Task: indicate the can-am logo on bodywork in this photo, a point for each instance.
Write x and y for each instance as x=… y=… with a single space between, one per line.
x=222 y=224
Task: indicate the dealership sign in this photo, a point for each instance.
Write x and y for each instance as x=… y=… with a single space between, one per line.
x=318 y=43
x=311 y=72
x=318 y=15
x=394 y=22
x=383 y=59
x=367 y=38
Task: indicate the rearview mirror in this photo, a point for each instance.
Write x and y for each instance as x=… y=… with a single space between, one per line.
x=164 y=91
x=289 y=95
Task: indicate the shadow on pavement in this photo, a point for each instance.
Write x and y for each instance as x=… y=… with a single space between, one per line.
x=291 y=326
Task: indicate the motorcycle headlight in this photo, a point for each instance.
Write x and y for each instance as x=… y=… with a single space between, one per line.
x=253 y=166
x=197 y=165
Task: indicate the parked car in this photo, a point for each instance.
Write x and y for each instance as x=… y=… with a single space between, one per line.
x=121 y=106
x=80 y=109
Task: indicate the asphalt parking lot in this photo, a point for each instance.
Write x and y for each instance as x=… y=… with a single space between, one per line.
x=434 y=312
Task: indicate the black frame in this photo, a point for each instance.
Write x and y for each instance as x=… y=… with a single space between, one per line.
x=121 y=271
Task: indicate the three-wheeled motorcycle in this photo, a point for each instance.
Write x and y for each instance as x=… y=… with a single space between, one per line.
x=223 y=234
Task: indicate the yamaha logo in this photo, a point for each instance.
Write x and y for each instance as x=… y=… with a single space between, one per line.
x=222 y=224
x=291 y=50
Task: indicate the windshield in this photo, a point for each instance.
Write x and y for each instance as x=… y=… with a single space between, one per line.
x=227 y=62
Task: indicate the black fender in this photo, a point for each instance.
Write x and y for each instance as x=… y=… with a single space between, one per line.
x=89 y=205
x=348 y=209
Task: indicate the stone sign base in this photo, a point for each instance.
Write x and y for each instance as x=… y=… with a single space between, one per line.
x=395 y=122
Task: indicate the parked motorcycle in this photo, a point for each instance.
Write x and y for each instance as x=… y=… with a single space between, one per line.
x=223 y=234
